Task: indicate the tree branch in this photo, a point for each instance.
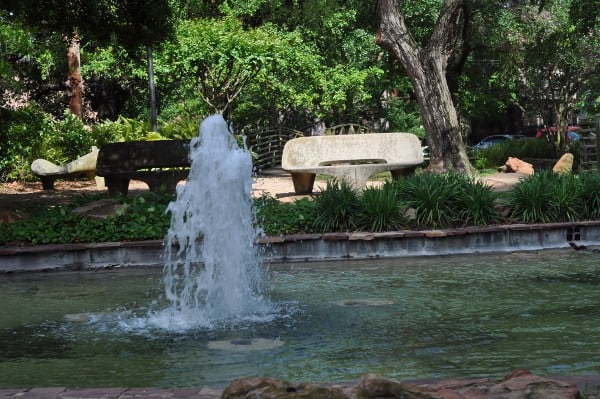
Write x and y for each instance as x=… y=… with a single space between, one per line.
x=448 y=28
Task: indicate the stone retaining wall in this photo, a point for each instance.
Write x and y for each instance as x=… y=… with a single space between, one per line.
x=309 y=247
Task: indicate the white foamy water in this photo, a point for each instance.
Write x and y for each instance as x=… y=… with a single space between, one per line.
x=212 y=274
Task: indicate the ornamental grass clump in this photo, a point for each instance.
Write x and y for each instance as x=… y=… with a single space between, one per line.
x=590 y=194
x=530 y=201
x=434 y=198
x=477 y=203
x=566 y=198
x=336 y=207
x=548 y=197
x=379 y=209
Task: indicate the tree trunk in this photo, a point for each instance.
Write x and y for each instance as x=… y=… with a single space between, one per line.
x=74 y=81
x=426 y=68
x=153 y=103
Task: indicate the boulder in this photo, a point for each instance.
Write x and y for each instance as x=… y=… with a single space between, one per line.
x=514 y=165
x=271 y=388
x=564 y=164
x=519 y=384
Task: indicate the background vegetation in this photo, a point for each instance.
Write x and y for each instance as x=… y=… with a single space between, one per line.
x=304 y=65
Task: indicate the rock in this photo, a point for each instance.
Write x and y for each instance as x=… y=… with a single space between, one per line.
x=564 y=164
x=8 y=216
x=101 y=209
x=372 y=386
x=502 y=207
x=513 y=165
x=523 y=384
x=271 y=388
x=519 y=384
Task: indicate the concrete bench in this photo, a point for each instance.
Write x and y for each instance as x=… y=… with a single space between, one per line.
x=161 y=164
x=352 y=158
x=48 y=172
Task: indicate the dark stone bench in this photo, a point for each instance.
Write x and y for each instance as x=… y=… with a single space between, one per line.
x=161 y=164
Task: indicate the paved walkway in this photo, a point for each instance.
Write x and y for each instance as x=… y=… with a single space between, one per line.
x=275 y=182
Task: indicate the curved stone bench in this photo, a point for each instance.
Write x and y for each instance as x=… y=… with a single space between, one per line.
x=48 y=172
x=352 y=158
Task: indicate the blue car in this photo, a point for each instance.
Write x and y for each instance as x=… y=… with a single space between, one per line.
x=491 y=140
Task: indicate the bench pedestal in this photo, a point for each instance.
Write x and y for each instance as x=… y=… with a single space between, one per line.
x=303 y=182
x=160 y=180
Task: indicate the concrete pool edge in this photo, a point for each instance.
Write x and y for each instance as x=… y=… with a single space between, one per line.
x=309 y=247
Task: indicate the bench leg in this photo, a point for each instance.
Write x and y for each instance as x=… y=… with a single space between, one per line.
x=48 y=182
x=400 y=173
x=117 y=185
x=303 y=182
x=157 y=186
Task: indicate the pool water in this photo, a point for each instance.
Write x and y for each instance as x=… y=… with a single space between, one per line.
x=477 y=315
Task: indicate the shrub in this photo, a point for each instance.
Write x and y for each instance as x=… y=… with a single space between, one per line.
x=379 y=209
x=123 y=129
x=590 y=194
x=66 y=140
x=496 y=155
x=21 y=140
x=336 y=207
x=433 y=197
x=529 y=200
x=547 y=197
x=277 y=218
x=565 y=196
x=477 y=204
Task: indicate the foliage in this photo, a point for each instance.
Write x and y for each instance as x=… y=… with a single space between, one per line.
x=336 y=207
x=30 y=133
x=447 y=200
x=547 y=197
x=216 y=59
x=590 y=194
x=288 y=63
x=496 y=155
x=404 y=119
x=477 y=202
x=379 y=209
x=21 y=140
x=542 y=198
x=432 y=196
x=143 y=218
x=277 y=218
x=559 y=34
x=128 y=129
x=66 y=140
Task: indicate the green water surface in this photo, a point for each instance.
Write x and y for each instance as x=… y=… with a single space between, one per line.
x=477 y=315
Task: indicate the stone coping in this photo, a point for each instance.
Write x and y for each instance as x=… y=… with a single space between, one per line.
x=316 y=247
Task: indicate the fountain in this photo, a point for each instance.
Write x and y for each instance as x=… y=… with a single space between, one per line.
x=212 y=273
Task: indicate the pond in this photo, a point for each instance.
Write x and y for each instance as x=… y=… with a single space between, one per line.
x=409 y=318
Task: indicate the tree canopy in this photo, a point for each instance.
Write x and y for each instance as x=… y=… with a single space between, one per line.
x=504 y=64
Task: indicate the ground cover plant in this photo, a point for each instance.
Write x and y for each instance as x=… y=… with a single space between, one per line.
x=422 y=201
x=142 y=218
